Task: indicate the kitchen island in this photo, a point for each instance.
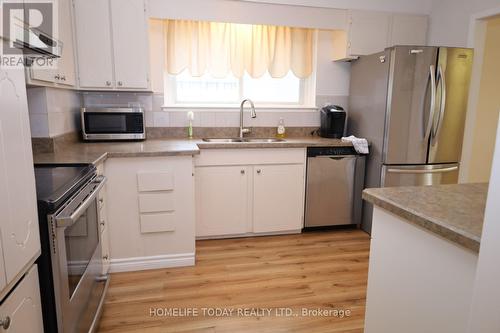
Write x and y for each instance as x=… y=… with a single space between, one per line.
x=423 y=257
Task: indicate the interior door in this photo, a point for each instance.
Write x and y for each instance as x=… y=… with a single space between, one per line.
x=419 y=175
x=410 y=92
x=452 y=82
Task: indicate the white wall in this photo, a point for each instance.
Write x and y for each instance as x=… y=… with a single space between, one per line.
x=53 y=111
x=450 y=20
x=484 y=316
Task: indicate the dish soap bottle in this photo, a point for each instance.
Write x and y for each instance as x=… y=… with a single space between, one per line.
x=280 y=130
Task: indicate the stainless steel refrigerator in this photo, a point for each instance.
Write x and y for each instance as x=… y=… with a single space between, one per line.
x=410 y=103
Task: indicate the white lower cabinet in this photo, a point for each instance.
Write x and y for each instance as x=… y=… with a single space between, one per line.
x=250 y=191
x=21 y=311
x=221 y=200
x=150 y=212
x=278 y=197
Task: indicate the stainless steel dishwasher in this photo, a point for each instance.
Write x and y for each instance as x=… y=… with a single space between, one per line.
x=335 y=180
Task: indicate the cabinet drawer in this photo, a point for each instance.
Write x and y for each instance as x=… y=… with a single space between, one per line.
x=156 y=202
x=157 y=222
x=155 y=181
x=23 y=307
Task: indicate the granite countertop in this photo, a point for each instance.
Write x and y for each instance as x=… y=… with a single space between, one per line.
x=455 y=212
x=96 y=152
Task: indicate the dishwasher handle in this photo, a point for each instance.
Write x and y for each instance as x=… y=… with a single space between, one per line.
x=334 y=157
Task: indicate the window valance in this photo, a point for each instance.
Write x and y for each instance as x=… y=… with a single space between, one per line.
x=224 y=48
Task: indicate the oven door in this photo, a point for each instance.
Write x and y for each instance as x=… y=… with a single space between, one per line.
x=77 y=260
x=111 y=124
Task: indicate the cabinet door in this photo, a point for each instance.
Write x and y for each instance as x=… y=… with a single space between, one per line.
x=408 y=30
x=93 y=37
x=368 y=32
x=278 y=198
x=23 y=308
x=19 y=221
x=221 y=200
x=130 y=43
x=66 y=64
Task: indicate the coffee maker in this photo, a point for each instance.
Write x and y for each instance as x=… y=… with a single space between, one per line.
x=333 y=121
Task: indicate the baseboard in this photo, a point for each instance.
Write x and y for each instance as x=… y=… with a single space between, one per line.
x=251 y=234
x=152 y=262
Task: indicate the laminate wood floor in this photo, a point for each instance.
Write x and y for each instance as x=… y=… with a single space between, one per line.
x=279 y=274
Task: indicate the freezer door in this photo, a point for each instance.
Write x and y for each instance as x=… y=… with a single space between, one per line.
x=410 y=93
x=419 y=175
x=452 y=81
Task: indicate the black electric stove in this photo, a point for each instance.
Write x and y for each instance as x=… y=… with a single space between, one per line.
x=56 y=184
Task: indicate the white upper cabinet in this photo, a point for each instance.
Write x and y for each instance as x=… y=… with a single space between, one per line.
x=371 y=32
x=19 y=223
x=64 y=72
x=93 y=40
x=130 y=43
x=112 y=44
x=368 y=32
x=409 y=30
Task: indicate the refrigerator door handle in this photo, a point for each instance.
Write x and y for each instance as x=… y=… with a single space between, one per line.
x=432 y=108
x=442 y=106
x=422 y=171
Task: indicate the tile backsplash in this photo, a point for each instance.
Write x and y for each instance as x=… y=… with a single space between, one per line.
x=156 y=116
x=53 y=112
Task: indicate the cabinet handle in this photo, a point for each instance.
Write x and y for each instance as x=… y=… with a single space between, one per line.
x=108 y=83
x=259 y=171
x=5 y=323
x=120 y=83
x=242 y=172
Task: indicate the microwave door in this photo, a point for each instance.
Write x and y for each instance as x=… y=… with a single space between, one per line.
x=411 y=92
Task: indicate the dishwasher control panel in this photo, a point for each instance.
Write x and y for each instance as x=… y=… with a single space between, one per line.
x=330 y=151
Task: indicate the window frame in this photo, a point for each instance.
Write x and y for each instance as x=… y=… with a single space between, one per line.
x=307 y=99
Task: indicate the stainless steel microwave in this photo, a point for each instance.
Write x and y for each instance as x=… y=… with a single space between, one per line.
x=113 y=123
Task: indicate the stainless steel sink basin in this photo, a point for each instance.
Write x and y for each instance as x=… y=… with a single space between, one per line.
x=254 y=140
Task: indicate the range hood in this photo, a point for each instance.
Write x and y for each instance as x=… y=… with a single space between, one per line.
x=34 y=43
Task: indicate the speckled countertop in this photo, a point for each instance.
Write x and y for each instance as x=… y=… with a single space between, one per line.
x=455 y=212
x=97 y=152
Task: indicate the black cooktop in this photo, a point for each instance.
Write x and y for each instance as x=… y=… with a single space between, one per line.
x=57 y=182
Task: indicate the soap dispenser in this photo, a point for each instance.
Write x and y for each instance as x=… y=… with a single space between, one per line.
x=280 y=130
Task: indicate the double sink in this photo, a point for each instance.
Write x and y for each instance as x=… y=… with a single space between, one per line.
x=249 y=140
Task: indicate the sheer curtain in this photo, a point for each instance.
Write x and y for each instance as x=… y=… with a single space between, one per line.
x=224 y=48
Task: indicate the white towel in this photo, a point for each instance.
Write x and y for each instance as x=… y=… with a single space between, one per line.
x=360 y=144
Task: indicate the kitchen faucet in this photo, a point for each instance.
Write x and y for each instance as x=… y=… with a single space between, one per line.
x=252 y=114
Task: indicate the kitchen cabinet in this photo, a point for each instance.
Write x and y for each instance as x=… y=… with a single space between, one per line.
x=249 y=192
x=20 y=238
x=221 y=200
x=21 y=311
x=371 y=32
x=63 y=75
x=278 y=197
x=150 y=212
x=118 y=30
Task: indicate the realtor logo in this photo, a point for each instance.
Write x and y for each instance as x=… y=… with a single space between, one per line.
x=29 y=29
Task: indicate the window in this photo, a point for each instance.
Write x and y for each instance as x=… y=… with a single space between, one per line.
x=184 y=89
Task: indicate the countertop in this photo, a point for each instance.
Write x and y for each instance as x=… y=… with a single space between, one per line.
x=96 y=152
x=454 y=212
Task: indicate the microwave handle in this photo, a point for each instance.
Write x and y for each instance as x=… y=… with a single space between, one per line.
x=70 y=214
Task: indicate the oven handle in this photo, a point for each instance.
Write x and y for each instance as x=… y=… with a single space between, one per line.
x=68 y=216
